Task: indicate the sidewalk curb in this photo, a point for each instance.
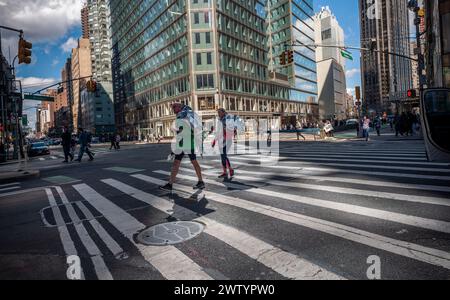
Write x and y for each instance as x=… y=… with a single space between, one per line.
x=9 y=177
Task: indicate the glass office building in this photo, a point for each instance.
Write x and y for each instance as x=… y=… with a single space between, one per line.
x=292 y=22
x=204 y=53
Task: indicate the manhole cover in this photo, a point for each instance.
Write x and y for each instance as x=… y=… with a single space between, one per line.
x=170 y=233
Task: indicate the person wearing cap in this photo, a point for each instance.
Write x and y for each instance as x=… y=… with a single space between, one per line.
x=185 y=113
x=224 y=137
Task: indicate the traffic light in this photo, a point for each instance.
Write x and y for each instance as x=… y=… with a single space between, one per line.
x=24 y=51
x=412 y=94
x=91 y=86
x=290 y=57
x=283 y=58
x=358 y=93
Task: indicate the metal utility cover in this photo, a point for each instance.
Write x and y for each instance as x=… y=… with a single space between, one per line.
x=170 y=233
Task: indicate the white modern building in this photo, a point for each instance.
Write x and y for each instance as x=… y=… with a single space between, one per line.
x=331 y=79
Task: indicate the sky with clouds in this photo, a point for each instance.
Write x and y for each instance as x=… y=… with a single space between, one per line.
x=53 y=26
x=347 y=14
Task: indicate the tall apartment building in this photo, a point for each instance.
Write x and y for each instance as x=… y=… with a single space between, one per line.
x=385 y=78
x=81 y=67
x=207 y=54
x=97 y=109
x=85 y=22
x=66 y=77
x=98 y=22
x=332 y=85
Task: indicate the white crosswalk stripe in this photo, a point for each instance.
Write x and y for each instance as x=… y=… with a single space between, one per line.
x=391 y=202
x=299 y=167
x=280 y=261
x=410 y=250
x=436 y=225
x=169 y=261
x=350 y=191
x=378 y=183
x=306 y=161
x=101 y=269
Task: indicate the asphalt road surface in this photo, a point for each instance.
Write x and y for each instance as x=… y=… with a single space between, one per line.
x=324 y=210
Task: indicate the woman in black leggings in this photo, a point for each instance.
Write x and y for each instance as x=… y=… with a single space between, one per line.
x=227 y=138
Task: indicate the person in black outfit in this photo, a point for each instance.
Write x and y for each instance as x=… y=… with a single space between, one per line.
x=66 y=138
x=112 y=139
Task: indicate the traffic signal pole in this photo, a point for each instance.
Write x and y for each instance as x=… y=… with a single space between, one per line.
x=355 y=48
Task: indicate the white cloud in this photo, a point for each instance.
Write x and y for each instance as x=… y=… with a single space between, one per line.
x=69 y=45
x=352 y=72
x=41 y=20
x=55 y=62
x=351 y=91
x=35 y=83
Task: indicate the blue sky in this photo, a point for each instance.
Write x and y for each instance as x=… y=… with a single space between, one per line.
x=49 y=56
x=347 y=14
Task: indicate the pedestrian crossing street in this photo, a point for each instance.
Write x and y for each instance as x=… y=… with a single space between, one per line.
x=319 y=212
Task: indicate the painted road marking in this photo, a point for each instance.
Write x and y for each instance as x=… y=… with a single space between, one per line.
x=285 y=263
x=169 y=261
x=413 y=251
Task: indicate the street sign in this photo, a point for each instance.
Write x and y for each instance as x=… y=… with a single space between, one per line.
x=346 y=54
x=38 y=98
x=25 y=120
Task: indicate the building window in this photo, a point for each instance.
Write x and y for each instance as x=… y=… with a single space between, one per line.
x=197 y=38
x=205 y=81
x=209 y=58
x=326 y=34
x=208 y=37
x=199 y=59
x=196 y=18
x=207 y=17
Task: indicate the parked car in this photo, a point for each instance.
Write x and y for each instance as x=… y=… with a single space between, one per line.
x=351 y=122
x=95 y=140
x=36 y=149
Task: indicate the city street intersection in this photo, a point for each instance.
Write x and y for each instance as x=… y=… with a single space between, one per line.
x=326 y=210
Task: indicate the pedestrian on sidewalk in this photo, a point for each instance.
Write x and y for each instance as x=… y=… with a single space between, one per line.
x=112 y=139
x=186 y=119
x=85 y=139
x=224 y=137
x=299 y=129
x=117 y=142
x=397 y=124
x=66 y=139
x=366 y=128
x=377 y=125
